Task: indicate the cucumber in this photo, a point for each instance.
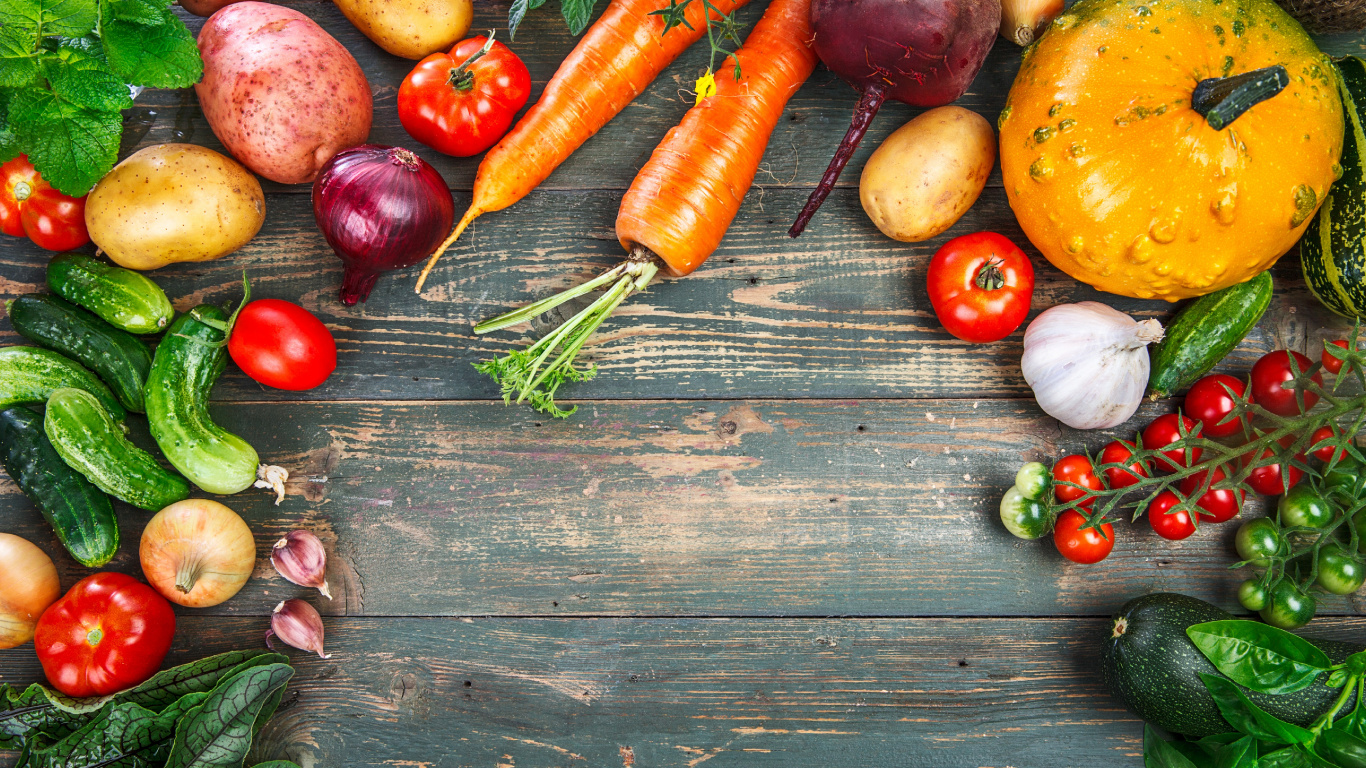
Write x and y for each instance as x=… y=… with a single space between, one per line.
x=124 y=298
x=81 y=515
x=118 y=357
x=30 y=374
x=188 y=361
x=1333 y=249
x=89 y=441
x=1204 y=332
x=1150 y=665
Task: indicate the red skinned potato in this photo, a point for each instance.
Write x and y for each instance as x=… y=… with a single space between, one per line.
x=265 y=68
x=205 y=7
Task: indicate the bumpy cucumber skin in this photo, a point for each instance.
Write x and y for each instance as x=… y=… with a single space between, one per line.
x=1333 y=249
x=184 y=370
x=124 y=298
x=89 y=441
x=118 y=357
x=1204 y=333
x=30 y=374
x=80 y=513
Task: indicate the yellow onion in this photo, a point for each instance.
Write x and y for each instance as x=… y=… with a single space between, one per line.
x=1022 y=21
x=28 y=585
x=197 y=553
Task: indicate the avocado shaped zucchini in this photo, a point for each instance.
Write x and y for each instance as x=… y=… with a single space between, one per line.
x=118 y=357
x=31 y=374
x=123 y=298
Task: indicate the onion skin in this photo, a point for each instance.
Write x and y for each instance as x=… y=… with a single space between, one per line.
x=197 y=553
x=28 y=585
x=1022 y=21
x=380 y=208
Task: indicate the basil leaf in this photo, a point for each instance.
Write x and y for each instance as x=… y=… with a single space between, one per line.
x=218 y=732
x=1159 y=753
x=1259 y=656
x=1240 y=754
x=123 y=736
x=1290 y=757
x=1249 y=718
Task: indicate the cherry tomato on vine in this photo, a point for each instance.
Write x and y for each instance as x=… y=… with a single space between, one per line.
x=1257 y=540
x=1331 y=363
x=1075 y=469
x=1163 y=431
x=1303 y=507
x=1325 y=452
x=1082 y=546
x=1289 y=608
x=282 y=345
x=1210 y=401
x=30 y=207
x=980 y=286
x=1266 y=479
x=1339 y=572
x=1118 y=452
x=1252 y=595
x=462 y=102
x=1271 y=372
x=1166 y=523
x=1218 y=504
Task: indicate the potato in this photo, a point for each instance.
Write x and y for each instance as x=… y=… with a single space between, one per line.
x=928 y=173
x=171 y=203
x=410 y=28
x=280 y=93
x=204 y=7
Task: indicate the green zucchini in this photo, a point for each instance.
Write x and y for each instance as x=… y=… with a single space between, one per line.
x=1150 y=665
x=188 y=361
x=124 y=298
x=30 y=374
x=91 y=443
x=1204 y=332
x=81 y=515
x=118 y=357
x=1333 y=249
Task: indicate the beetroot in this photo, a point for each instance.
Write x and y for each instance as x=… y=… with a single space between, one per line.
x=921 y=52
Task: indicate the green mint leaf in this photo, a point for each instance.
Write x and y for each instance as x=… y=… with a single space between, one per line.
x=577 y=14
x=164 y=56
x=218 y=732
x=89 y=85
x=9 y=149
x=45 y=18
x=1259 y=656
x=83 y=52
x=71 y=145
x=517 y=12
x=146 y=12
x=19 y=65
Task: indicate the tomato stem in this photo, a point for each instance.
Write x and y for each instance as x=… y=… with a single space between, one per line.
x=989 y=277
x=461 y=78
x=22 y=190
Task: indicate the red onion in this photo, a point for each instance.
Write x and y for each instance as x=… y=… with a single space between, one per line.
x=380 y=208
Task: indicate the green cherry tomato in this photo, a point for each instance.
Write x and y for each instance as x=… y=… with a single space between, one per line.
x=1343 y=477
x=1302 y=506
x=1289 y=607
x=1025 y=517
x=1033 y=479
x=1339 y=572
x=1252 y=595
x=1258 y=539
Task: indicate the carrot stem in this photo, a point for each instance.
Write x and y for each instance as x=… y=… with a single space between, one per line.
x=864 y=113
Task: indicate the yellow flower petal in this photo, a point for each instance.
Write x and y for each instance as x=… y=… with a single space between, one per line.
x=706 y=86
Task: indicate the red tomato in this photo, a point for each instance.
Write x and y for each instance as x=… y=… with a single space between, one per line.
x=1330 y=363
x=30 y=207
x=1209 y=402
x=1167 y=524
x=1082 y=546
x=109 y=632
x=1219 y=504
x=1269 y=375
x=462 y=102
x=1325 y=453
x=282 y=345
x=1266 y=480
x=1164 y=431
x=1118 y=452
x=980 y=286
x=1075 y=469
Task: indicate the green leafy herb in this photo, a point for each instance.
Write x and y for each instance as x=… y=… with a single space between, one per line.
x=1159 y=753
x=1240 y=754
x=1259 y=656
x=1250 y=719
x=218 y=732
x=1290 y=757
x=124 y=735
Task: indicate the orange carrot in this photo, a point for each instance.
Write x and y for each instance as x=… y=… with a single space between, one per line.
x=680 y=204
x=621 y=54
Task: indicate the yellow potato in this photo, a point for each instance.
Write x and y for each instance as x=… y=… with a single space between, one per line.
x=410 y=28
x=928 y=173
x=171 y=203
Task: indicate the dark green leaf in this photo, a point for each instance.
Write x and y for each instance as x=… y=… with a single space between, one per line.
x=90 y=86
x=162 y=56
x=217 y=733
x=123 y=736
x=1159 y=753
x=168 y=685
x=276 y=764
x=1250 y=719
x=577 y=14
x=1290 y=757
x=1240 y=754
x=24 y=715
x=45 y=18
x=19 y=65
x=71 y=145
x=1199 y=755
x=517 y=12
x=1259 y=656
x=1337 y=679
x=9 y=149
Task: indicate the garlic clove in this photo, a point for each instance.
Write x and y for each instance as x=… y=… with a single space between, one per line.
x=298 y=624
x=300 y=557
x=272 y=477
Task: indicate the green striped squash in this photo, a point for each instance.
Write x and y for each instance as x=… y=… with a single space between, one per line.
x=1333 y=250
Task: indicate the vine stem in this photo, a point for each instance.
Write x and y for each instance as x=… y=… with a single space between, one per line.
x=1327 y=718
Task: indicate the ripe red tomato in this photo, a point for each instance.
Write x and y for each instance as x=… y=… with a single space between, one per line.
x=980 y=286
x=1268 y=377
x=1325 y=453
x=109 y=632
x=1118 y=452
x=1082 y=546
x=282 y=345
x=1266 y=480
x=1219 y=504
x=1167 y=524
x=1075 y=469
x=1209 y=403
x=462 y=102
x=1163 y=431
x=30 y=207
x=1330 y=363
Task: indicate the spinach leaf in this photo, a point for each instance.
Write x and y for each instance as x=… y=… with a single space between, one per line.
x=1249 y=718
x=32 y=712
x=276 y=764
x=123 y=736
x=1259 y=656
x=218 y=732
x=1159 y=753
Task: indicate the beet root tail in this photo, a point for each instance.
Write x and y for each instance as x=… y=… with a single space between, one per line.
x=864 y=113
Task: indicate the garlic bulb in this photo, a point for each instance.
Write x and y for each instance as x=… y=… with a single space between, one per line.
x=1087 y=364
x=1022 y=21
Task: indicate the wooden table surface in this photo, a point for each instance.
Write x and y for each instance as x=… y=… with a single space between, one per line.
x=768 y=538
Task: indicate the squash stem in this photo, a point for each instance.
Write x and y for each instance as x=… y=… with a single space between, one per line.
x=1221 y=100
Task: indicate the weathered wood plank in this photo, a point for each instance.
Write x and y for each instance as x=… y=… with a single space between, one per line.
x=773 y=508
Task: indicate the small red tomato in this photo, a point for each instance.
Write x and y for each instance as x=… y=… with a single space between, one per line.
x=1219 y=504
x=1166 y=523
x=1074 y=469
x=1269 y=375
x=1118 y=452
x=1165 y=430
x=1211 y=400
x=109 y=632
x=1331 y=363
x=282 y=345
x=1082 y=546
x=1266 y=479
x=980 y=286
x=1325 y=452
x=462 y=102
x=30 y=207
